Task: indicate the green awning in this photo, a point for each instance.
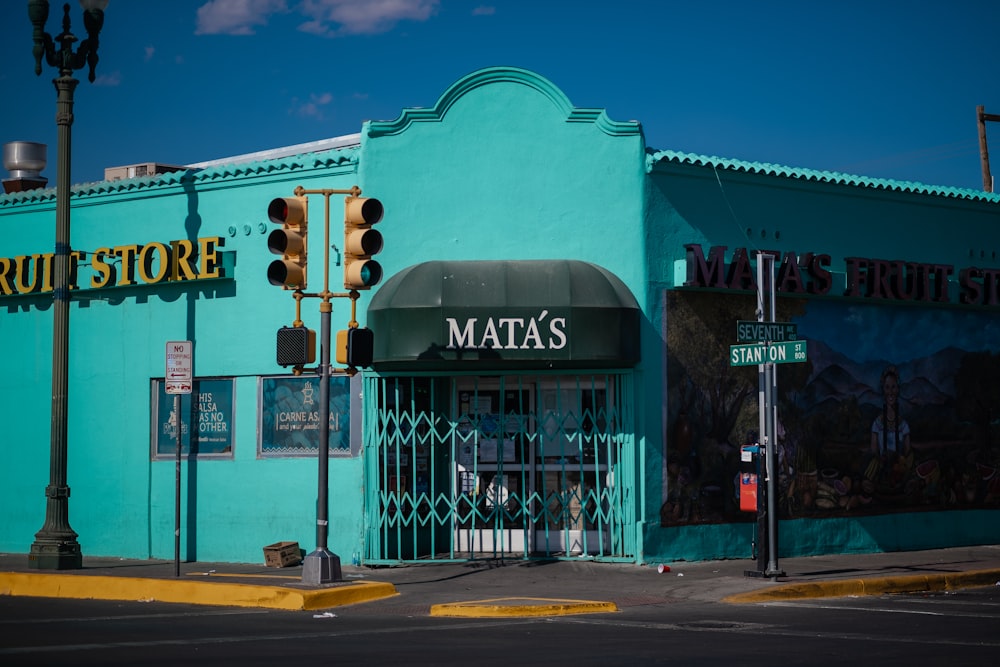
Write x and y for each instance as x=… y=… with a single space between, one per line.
x=527 y=314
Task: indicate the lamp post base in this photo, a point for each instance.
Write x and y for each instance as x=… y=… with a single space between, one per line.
x=55 y=555
x=321 y=567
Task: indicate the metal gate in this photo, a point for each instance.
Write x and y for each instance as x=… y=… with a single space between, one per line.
x=464 y=467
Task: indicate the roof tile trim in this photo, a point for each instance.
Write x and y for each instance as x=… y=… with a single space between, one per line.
x=655 y=157
x=330 y=158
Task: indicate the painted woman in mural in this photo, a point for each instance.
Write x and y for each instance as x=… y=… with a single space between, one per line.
x=891 y=457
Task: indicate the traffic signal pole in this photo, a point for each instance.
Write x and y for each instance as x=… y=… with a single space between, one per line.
x=322 y=565
x=295 y=345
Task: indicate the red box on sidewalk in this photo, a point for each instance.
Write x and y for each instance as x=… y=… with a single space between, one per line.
x=748 y=492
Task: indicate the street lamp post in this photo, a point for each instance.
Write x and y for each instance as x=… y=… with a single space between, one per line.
x=55 y=546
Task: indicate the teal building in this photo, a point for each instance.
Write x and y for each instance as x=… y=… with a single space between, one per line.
x=552 y=373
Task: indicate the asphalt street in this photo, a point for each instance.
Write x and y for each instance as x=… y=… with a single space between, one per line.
x=947 y=628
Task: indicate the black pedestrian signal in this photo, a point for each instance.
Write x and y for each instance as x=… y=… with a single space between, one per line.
x=355 y=347
x=296 y=346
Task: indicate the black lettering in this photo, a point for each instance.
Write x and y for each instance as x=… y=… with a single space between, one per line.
x=878 y=285
x=856 y=275
x=941 y=273
x=705 y=274
x=990 y=286
x=905 y=283
x=822 y=279
x=972 y=291
x=790 y=276
x=741 y=275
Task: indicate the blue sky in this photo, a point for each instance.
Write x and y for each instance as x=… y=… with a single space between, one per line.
x=881 y=88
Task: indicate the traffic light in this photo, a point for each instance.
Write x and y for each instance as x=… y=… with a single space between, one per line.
x=361 y=242
x=290 y=242
x=355 y=347
x=296 y=346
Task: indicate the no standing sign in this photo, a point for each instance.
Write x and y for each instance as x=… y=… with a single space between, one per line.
x=180 y=360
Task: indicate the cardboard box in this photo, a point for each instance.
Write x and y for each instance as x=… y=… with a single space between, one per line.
x=282 y=554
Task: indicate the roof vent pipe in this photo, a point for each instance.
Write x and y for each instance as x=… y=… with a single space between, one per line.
x=25 y=161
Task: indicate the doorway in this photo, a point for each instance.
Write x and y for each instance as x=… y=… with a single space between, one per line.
x=508 y=466
x=535 y=458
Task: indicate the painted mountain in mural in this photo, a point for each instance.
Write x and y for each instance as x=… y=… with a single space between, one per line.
x=926 y=384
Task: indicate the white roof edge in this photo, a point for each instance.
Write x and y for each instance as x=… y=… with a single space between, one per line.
x=273 y=153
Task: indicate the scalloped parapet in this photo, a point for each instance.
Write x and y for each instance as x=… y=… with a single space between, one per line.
x=494 y=75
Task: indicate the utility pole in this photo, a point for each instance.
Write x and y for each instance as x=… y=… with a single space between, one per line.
x=984 y=154
x=768 y=413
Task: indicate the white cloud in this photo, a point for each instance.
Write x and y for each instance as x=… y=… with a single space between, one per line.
x=351 y=17
x=313 y=108
x=484 y=10
x=328 y=18
x=111 y=80
x=236 y=17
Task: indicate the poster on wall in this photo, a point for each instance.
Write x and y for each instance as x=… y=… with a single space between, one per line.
x=290 y=416
x=895 y=410
x=205 y=420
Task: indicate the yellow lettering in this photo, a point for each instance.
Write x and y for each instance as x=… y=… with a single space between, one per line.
x=28 y=266
x=210 y=257
x=183 y=251
x=8 y=269
x=151 y=263
x=146 y=257
x=105 y=273
x=74 y=261
x=127 y=253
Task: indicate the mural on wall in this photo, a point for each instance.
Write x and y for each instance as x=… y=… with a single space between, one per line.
x=896 y=409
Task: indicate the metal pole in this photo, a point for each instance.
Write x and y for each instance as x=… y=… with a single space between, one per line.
x=323 y=504
x=179 y=421
x=984 y=154
x=763 y=532
x=772 y=517
x=766 y=286
x=55 y=546
x=321 y=566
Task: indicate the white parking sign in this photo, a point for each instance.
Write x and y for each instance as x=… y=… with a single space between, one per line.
x=180 y=360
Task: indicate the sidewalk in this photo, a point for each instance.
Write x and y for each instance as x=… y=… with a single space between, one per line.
x=506 y=588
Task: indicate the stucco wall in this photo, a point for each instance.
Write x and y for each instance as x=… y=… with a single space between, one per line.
x=122 y=503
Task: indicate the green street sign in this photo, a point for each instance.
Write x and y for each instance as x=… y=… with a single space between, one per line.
x=759 y=332
x=753 y=354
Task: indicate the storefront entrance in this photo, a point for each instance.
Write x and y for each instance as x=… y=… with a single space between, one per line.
x=499 y=416
x=493 y=467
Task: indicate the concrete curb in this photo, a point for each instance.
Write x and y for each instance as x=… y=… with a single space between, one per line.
x=917 y=583
x=97 y=587
x=521 y=607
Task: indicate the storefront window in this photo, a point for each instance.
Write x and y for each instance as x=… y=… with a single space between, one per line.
x=290 y=416
x=205 y=420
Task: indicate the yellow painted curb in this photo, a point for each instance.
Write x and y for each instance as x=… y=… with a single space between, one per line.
x=507 y=607
x=916 y=583
x=98 y=587
x=354 y=593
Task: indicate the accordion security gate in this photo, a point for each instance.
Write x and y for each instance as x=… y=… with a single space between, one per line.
x=464 y=467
